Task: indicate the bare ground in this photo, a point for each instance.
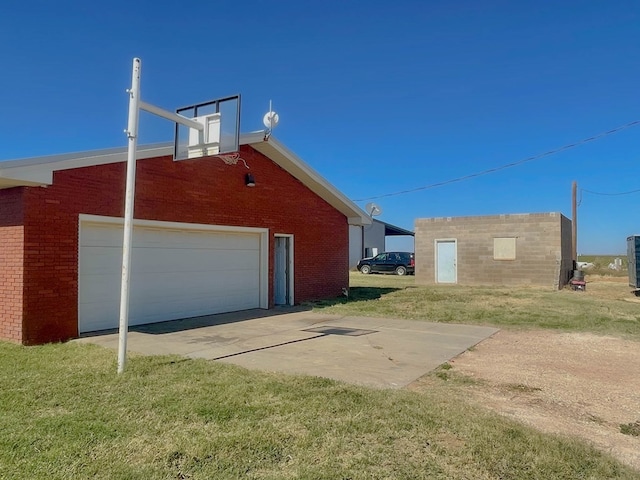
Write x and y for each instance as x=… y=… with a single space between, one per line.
x=566 y=383
x=576 y=384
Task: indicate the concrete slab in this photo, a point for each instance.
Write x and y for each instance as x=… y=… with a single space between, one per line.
x=393 y=354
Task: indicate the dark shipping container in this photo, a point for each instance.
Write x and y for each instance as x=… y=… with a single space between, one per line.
x=633 y=254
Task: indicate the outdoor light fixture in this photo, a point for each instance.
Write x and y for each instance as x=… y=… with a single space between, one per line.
x=249 y=180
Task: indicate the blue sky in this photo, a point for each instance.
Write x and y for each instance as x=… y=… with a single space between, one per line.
x=378 y=97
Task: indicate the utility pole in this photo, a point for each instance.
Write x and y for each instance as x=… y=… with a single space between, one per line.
x=574 y=224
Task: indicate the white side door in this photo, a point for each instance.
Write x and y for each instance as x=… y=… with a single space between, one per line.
x=446 y=261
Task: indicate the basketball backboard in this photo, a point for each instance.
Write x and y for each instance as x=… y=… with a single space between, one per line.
x=220 y=133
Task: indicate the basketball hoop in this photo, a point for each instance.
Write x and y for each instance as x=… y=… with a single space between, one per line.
x=231 y=158
x=214 y=130
x=208 y=129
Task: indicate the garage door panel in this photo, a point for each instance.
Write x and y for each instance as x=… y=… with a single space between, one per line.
x=149 y=288
x=105 y=314
x=97 y=287
x=141 y=314
x=185 y=260
x=153 y=237
x=105 y=260
x=100 y=260
x=100 y=235
x=174 y=274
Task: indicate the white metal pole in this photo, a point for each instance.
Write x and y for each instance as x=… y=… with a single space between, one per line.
x=174 y=117
x=132 y=134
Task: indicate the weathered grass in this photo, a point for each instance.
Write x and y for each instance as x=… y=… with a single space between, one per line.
x=64 y=414
x=601 y=309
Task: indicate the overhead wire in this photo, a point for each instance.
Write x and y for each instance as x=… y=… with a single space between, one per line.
x=609 y=194
x=508 y=165
x=584 y=190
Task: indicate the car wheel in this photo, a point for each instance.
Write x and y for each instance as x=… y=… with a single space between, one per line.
x=365 y=269
x=400 y=270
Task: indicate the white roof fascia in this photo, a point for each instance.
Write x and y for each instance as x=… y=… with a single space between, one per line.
x=38 y=171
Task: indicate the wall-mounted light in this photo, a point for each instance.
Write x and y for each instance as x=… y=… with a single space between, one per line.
x=249 y=181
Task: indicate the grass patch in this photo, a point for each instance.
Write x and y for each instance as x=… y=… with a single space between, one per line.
x=65 y=414
x=631 y=428
x=446 y=373
x=602 y=309
x=521 y=388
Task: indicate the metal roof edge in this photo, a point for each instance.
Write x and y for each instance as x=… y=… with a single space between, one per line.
x=397 y=230
x=33 y=171
x=38 y=171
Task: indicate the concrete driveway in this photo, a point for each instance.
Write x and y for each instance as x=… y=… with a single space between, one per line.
x=377 y=352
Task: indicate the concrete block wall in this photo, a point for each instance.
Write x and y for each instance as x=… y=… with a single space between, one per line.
x=205 y=191
x=543 y=249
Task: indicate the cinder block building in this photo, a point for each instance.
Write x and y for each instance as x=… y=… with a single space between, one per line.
x=522 y=249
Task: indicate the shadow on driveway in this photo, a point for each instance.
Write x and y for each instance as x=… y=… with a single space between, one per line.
x=182 y=324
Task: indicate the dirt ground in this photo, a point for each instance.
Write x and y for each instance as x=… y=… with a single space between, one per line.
x=566 y=383
x=575 y=384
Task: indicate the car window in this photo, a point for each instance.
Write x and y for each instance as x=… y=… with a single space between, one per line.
x=382 y=256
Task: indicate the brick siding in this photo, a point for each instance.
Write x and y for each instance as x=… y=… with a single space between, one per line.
x=11 y=264
x=204 y=191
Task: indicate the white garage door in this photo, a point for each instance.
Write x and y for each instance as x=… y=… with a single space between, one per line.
x=175 y=273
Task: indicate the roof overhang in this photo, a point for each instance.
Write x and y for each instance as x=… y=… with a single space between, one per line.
x=392 y=230
x=38 y=171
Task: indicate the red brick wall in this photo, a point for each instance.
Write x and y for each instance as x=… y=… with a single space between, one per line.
x=11 y=262
x=195 y=191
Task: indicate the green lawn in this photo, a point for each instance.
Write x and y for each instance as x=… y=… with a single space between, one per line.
x=604 y=308
x=65 y=414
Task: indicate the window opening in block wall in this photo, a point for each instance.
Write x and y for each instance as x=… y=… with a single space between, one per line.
x=504 y=248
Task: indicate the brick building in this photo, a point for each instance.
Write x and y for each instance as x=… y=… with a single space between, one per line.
x=528 y=249
x=204 y=241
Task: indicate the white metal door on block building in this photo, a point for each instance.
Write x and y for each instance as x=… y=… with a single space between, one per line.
x=177 y=271
x=446 y=261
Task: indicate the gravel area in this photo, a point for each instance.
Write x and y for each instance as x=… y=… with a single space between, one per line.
x=565 y=383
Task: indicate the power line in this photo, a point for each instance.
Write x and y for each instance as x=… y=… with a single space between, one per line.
x=508 y=165
x=610 y=194
x=584 y=190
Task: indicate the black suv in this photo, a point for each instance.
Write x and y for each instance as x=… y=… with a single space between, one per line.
x=400 y=263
